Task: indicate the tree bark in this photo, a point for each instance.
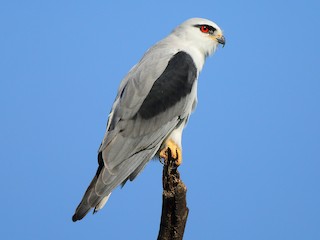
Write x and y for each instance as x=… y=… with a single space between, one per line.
x=174 y=205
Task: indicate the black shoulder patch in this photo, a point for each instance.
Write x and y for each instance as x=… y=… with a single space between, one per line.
x=174 y=83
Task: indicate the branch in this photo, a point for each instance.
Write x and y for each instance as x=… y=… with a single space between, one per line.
x=174 y=205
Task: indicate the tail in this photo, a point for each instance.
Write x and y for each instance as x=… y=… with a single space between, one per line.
x=105 y=181
x=91 y=199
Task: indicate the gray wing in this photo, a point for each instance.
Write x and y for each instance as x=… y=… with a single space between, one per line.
x=151 y=102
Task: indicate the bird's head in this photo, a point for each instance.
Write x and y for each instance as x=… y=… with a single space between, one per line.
x=201 y=33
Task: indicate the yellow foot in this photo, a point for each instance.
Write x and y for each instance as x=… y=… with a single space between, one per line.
x=175 y=150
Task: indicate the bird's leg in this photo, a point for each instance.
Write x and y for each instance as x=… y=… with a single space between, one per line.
x=176 y=152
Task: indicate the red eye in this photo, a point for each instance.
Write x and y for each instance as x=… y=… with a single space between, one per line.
x=204 y=29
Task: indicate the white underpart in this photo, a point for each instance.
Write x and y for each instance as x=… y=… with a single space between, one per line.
x=176 y=135
x=102 y=203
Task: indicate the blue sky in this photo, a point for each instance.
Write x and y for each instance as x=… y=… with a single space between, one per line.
x=251 y=149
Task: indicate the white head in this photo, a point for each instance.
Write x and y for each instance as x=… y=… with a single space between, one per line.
x=201 y=33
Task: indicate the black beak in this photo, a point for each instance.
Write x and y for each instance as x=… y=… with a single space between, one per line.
x=221 y=40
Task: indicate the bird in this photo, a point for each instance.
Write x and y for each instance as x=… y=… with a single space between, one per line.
x=151 y=109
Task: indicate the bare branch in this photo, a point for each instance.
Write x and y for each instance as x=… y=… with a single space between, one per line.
x=174 y=205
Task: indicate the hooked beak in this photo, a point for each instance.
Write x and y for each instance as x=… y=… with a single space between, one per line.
x=221 y=40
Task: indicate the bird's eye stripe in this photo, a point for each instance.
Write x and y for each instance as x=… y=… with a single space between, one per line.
x=205 y=28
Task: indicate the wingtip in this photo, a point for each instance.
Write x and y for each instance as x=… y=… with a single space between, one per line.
x=74 y=218
x=78 y=216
